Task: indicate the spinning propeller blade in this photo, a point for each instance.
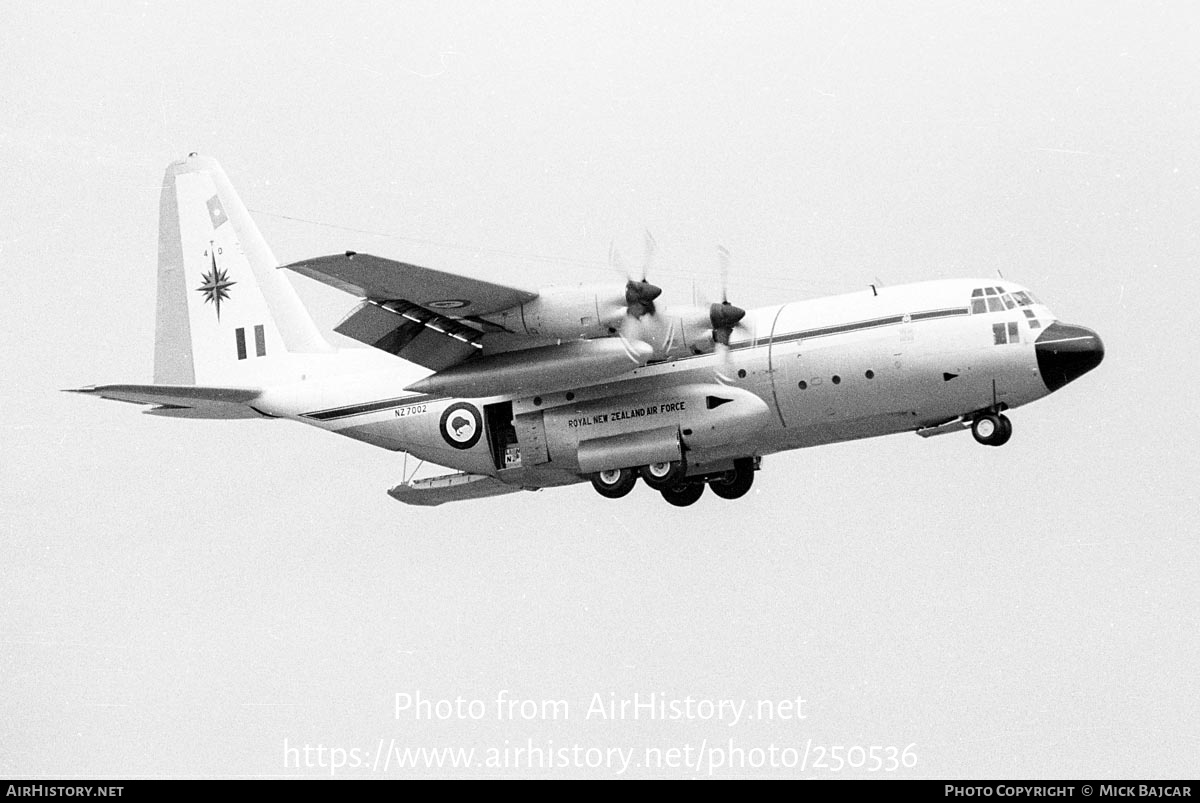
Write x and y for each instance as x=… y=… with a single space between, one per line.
x=639 y=293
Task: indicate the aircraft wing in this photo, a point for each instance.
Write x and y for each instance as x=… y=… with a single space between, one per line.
x=388 y=280
x=412 y=332
x=422 y=315
x=183 y=401
x=433 y=491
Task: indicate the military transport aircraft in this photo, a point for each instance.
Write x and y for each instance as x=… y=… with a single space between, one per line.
x=521 y=389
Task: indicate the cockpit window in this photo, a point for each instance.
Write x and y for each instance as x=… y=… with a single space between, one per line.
x=996 y=299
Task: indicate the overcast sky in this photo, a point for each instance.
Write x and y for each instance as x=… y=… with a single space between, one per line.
x=188 y=598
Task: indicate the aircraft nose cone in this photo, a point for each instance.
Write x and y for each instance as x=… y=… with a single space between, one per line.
x=1066 y=352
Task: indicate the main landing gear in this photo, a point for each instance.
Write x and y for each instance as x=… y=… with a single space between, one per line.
x=734 y=484
x=661 y=476
x=685 y=494
x=615 y=483
x=670 y=480
x=992 y=429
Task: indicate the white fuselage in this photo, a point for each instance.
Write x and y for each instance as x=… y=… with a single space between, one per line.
x=831 y=369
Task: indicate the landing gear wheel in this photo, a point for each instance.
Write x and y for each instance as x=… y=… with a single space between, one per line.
x=661 y=476
x=735 y=483
x=992 y=429
x=615 y=483
x=683 y=495
x=1005 y=431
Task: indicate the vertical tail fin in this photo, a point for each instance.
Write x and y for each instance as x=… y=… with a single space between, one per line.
x=226 y=315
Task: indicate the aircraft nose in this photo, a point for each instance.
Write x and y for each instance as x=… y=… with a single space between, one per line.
x=1066 y=352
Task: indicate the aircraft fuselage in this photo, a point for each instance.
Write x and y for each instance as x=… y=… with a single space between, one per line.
x=877 y=362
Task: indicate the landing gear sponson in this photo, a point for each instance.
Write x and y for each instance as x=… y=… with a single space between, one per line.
x=671 y=481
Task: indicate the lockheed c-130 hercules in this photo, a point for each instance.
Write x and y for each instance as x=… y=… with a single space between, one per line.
x=520 y=390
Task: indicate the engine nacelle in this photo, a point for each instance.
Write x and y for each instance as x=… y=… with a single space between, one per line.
x=568 y=313
x=587 y=312
x=674 y=331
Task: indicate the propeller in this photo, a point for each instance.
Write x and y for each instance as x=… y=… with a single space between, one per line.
x=724 y=317
x=664 y=331
x=639 y=293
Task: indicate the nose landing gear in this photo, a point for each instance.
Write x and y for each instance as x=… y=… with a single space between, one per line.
x=992 y=429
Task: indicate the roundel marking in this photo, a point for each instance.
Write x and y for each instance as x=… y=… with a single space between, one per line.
x=461 y=425
x=448 y=303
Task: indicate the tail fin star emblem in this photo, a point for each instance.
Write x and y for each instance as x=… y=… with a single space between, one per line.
x=216 y=283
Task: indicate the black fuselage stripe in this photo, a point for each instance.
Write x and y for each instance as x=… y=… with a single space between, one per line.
x=367 y=407
x=939 y=313
x=825 y=331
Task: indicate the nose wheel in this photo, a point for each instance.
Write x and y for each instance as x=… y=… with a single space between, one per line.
x=992 y=429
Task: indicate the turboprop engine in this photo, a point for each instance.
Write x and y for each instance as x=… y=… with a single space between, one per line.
x=681 y=330
x=583 y=311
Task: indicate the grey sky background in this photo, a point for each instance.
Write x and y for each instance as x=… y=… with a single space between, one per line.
x=182 y=597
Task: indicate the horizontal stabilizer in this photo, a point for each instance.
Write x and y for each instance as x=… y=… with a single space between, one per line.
x=432 y=491
x=388 y=280
x=183 y=401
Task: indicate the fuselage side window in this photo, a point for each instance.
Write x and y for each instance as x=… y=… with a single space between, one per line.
x=998 y=334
